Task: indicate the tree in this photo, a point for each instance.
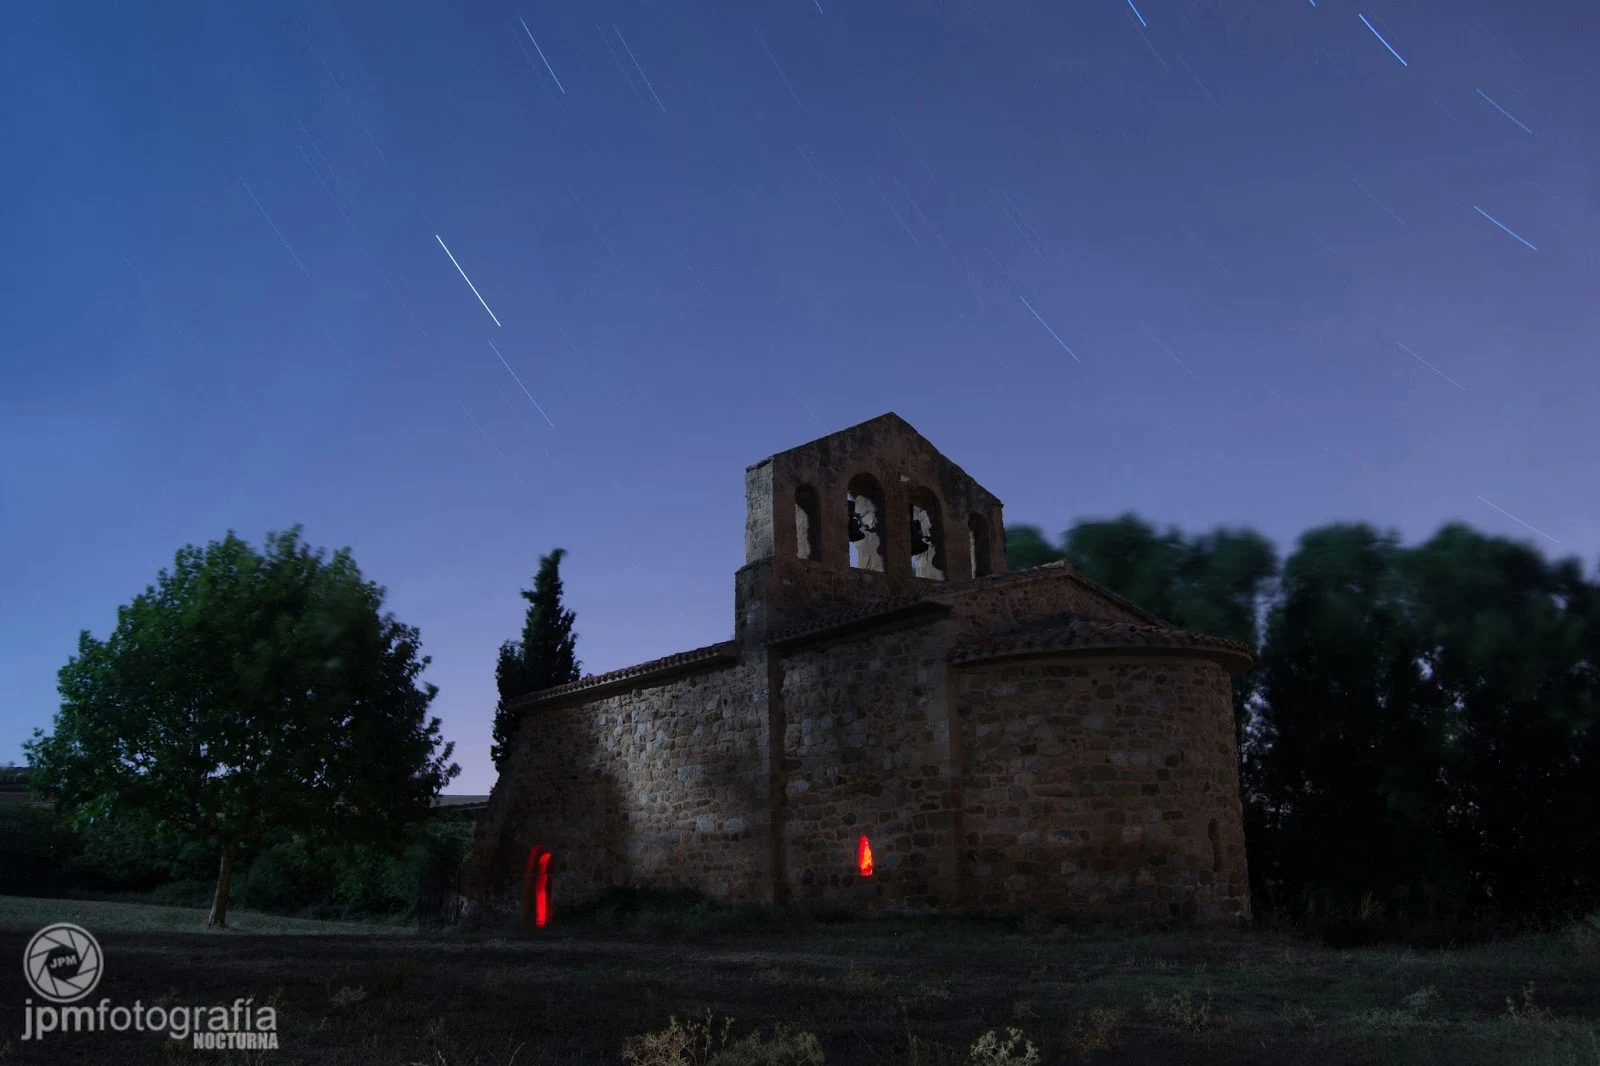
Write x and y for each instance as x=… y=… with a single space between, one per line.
x=1026 y=546
x=1508 y=642
x=1346 y=795
x=1217 y=583
x=543 y=658
x=248 y=694
x=1430 y=730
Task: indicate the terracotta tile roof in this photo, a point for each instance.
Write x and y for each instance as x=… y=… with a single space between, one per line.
x=1061 y=569
x=723 y=653
x=1119 y=600
x=938 y=596
x=1076 y=633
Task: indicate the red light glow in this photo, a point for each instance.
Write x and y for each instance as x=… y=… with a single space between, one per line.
x=864 y=857
x=541 y=892
x=536 y=887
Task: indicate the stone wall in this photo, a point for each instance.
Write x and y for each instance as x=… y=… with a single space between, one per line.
x=1074 y=783
x=1103 y=786
x=1083 y=784
x=866 y=752
x=666 y=784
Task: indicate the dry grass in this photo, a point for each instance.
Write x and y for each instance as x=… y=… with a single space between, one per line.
x=1097 y=1029
x=860 y=979
x=1180 y=1010
x=692 y=1043
x=1013 y=1049
x=890 y=993
x=27 y=912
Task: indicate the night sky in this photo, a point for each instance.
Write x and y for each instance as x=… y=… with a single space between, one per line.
x=1266 y=263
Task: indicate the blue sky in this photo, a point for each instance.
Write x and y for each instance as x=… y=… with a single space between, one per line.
x=1213 y=263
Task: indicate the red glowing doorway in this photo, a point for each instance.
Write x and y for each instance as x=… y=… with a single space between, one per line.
x=864 y=857
x=536 y=888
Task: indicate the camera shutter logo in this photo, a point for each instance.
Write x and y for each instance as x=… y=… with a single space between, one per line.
x=63 y=962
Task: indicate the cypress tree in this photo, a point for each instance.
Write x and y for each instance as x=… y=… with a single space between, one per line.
x=543 y=658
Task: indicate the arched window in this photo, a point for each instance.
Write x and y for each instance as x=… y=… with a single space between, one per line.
x=927 y=535
x=867 y=532
x=864 y=857
x=536 y=888
x=978 y=544
x=1216 y=846
x=807 y=523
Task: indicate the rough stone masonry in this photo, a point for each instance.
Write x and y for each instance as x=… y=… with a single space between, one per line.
x=1005 y=741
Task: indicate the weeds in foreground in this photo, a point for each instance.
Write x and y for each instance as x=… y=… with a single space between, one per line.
x=1015 y=1050
x=688 y=1043
x=393 y=975
x=921 y=1051
x=1179 y=1010
x=859 y=979
x=1524 y=1014
x=440 y=1060
x=1422 y=1000
x=1097 y=1029
x=1584 y=934
x=1037 y=925
x=788 y=1047
x=1298 y=1016
x=347 y=996
x=1526 y=1011
x=924 y=997
x=702 y=1043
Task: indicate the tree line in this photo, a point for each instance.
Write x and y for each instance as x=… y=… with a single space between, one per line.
x=1420 y=743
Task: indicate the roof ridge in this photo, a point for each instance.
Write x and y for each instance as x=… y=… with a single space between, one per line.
x=710 y=652
x=1066 y=631
x=859 y=613
x=1062 y=567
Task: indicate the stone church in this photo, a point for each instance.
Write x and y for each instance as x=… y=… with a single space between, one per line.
x=899 y=725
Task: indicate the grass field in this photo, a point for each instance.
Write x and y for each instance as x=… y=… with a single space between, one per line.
x=909 y=993
x=19 y=912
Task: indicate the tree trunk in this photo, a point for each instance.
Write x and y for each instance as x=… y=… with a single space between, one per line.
x=219 y=903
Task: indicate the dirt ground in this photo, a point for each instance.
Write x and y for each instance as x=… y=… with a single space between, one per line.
x=906 y=993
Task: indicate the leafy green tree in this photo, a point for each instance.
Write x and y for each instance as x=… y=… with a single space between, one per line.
x=1216 y=583
x=546 y=655
x=1026 y=546
x=1346 y=802
x=1133 y=559
x=1509 y=640
x=244 y=695
x=1431 y=731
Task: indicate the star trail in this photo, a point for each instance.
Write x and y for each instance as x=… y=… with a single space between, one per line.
x=1318 y=262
